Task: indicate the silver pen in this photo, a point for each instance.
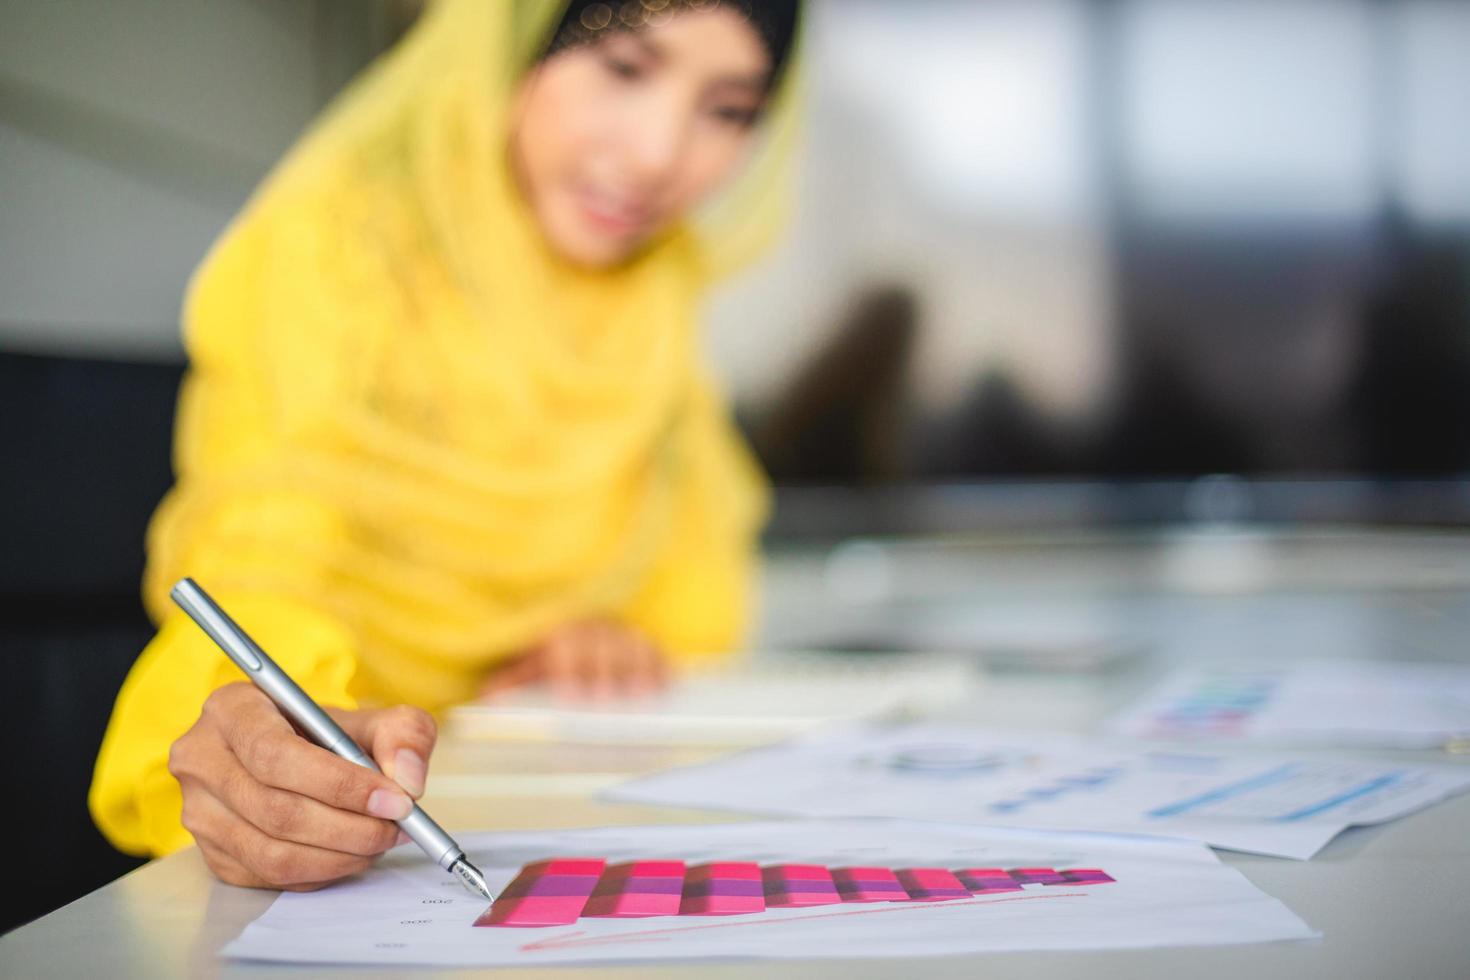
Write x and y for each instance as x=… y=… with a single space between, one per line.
x=298 y=706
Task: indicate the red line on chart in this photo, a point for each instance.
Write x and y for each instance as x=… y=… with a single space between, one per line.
x=570 y=939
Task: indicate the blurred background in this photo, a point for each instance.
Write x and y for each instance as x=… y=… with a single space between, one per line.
x=1052 y=264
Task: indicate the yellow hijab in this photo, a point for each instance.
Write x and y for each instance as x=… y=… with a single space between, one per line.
x=413 y=440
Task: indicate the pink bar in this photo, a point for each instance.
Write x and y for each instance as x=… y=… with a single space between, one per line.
x=637 y=889
x=803 y=872
x=1087 y=876
x=723 y=888
x=568 y=866
x=733 y=870
x=655 y=869
x=549 y=893
x=1038 y=876
x=987 y=881
x=868 y=885
x=932 y=884
x=798 y=885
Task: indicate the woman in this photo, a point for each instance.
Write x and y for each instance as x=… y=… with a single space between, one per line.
x=446 y=427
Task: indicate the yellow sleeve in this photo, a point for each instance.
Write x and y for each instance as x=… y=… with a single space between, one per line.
x=134 y=799
x=698 y=597
x=229 y=424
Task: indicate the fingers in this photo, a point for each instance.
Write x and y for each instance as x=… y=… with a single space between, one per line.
x=528 y=668
x=269 y=809
x=400 y=739
x=605 y=663
x=562 y=657
x=628 y=663
x=240 y=853
x=273 y=754
x=232 y=872
x=226 y=868
x=600 y=660
x=652 y=671
x=290 y=816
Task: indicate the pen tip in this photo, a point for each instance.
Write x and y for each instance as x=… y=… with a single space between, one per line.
x=473 y=881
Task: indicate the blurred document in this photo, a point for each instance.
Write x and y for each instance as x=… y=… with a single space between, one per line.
x=747 y=702
x=797 y=890
x=1322 y=702
x=1264 y=804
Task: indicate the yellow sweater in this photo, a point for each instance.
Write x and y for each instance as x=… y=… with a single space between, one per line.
x=412 y=440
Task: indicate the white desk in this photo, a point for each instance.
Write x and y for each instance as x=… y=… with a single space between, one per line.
x=1392 y=901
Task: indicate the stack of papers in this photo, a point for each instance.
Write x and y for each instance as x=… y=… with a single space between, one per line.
x=1276 y=805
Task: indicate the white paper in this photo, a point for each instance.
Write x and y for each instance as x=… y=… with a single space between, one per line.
x=406 y=911
x=1314 y=702
x=1276 y=805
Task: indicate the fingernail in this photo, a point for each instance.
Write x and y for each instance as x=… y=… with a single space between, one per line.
x=402 y=839
x=409 y=771
x=389 y=805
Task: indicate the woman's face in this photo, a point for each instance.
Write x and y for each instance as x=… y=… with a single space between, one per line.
x=617 y=138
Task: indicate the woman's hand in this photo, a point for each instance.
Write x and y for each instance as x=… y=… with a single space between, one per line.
x=270 y=809
x=589 y=660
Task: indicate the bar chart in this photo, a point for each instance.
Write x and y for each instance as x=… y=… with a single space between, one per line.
x=560 y=891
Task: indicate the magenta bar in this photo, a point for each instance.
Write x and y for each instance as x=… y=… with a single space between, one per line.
x=548 y=893
x=987 y=881
x=637 y=889
x=868 y=885
x=1087 y=876
x=984 y=881
x=1038 y=876
x=798 y=885
x=723 y=888
x=932 y=884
